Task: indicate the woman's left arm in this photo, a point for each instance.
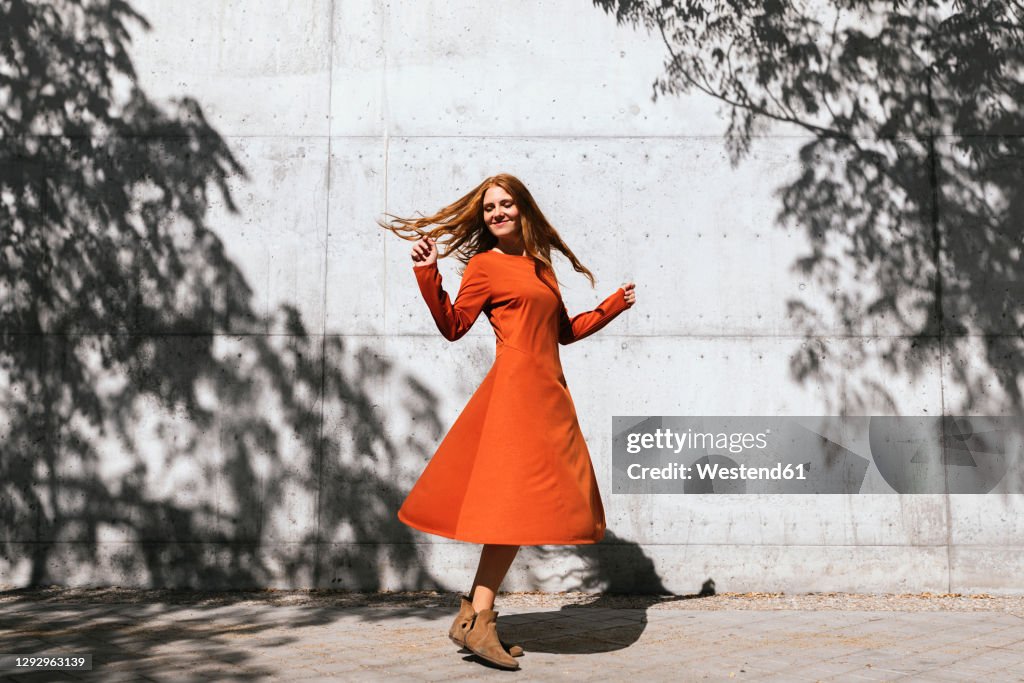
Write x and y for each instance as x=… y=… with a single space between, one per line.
x=572 y=329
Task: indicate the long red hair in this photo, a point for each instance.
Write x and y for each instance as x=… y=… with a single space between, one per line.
x=460 y=230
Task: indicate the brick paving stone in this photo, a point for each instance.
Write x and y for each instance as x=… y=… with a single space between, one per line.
x=1004 y=657
x=974 y=670
x=468 y=666
x=634 y=615
x=804 y=675
x=342 y=668
x=615 y=620
x=1010 y=638
x=894 y=666
x=828 y=671
x=937 y=676
x=616 y=635
x=1014 y=673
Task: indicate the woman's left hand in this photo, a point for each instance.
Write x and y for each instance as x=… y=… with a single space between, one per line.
x=630 y=291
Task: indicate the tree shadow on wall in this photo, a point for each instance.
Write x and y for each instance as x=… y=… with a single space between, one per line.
x=156 y=429
x=909 y=190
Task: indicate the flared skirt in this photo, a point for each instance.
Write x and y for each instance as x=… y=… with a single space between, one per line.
x=514 y=469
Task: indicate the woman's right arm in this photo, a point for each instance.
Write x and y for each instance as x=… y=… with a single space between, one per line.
x=454 y=320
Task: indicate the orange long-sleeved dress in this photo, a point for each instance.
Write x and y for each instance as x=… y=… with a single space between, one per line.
x=514 y=468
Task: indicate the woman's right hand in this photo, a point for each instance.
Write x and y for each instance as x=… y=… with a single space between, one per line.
x=424 y=252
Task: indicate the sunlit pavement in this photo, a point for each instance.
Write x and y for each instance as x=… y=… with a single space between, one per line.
x=358 y=641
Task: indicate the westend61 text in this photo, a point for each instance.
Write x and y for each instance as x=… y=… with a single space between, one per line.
x=707 y=471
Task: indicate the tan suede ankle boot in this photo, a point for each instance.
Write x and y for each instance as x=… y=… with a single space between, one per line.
x=464 y=619
x=482 y=640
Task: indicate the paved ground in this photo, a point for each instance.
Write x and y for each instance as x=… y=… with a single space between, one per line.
x=135 y=635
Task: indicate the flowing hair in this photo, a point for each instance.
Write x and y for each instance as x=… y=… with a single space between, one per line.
x=461 y=227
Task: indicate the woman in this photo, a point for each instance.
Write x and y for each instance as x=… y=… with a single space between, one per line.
x=514 y=469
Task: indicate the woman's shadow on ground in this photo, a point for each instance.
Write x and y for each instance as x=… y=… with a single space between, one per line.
x=612 y=619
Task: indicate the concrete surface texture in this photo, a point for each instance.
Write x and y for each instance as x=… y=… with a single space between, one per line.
x=141 y=637
x=218 y=372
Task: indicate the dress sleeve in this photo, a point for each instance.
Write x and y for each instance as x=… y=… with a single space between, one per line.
x=585 y=324
x=454 y=320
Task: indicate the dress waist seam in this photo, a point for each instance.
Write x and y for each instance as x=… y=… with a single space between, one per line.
x=514 y=348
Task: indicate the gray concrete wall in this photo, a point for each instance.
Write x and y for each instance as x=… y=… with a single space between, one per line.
x=265 y=429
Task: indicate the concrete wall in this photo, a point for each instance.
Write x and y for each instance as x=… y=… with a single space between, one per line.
x=273 y=448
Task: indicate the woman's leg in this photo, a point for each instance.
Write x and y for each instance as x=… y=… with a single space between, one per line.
x=494 y=563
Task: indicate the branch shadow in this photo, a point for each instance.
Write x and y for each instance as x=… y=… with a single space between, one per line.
x=156 y=429
x=909 y=186
x=153 y=638
x=907 y=190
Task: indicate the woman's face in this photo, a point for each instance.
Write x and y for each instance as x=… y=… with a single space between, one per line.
x=500 y=212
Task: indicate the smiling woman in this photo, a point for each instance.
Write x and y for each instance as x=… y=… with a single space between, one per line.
x=502 y=216
x=469 y=226
x=514 y=469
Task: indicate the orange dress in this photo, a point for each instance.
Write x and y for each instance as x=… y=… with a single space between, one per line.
x=514 y=468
